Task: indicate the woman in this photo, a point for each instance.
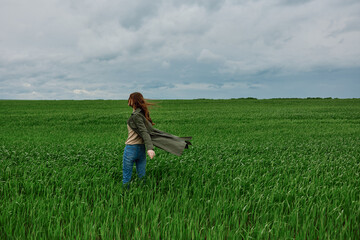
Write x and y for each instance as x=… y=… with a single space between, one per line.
x=143 y=137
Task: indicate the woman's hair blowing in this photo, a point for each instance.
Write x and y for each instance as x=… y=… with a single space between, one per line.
x=138 y=101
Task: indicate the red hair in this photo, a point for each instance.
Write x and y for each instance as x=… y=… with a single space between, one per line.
x=138 y=101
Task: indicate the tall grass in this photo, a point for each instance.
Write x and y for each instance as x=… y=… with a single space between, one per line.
x=280 y=168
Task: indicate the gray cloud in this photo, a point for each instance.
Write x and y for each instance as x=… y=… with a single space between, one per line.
x=294 y=2
x=183 y=49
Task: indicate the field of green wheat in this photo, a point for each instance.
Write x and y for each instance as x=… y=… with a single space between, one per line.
x=257 y=169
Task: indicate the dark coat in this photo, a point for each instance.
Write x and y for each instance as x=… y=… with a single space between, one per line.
x=155 y=137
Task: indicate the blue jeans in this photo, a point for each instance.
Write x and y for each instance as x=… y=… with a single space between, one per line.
x=133 y=154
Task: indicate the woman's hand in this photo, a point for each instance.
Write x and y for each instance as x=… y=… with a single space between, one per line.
x=151 y=153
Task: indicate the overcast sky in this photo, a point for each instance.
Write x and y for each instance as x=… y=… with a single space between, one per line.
x=106 y=49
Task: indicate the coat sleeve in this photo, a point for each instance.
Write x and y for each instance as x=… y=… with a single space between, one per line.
x=144 y=134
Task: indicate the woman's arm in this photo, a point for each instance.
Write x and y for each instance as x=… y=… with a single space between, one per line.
x=139 y=121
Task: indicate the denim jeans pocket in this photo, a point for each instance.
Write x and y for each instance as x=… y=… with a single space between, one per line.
x=129 y=153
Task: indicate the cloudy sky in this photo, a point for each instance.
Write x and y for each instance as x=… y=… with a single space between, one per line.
x=106 y=49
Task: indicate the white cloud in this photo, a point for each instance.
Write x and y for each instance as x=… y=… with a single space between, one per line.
x=82 y=91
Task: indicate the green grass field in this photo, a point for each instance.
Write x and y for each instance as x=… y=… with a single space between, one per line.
x=258 y=169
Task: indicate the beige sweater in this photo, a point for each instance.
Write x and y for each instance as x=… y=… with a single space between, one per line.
x=133 y=137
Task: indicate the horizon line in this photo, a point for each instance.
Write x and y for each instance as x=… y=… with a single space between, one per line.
x=154 y=99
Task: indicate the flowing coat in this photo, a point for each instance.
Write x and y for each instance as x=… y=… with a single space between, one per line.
x=155 y=137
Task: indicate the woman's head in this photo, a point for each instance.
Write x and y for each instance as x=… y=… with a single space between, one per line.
x=136 y=100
